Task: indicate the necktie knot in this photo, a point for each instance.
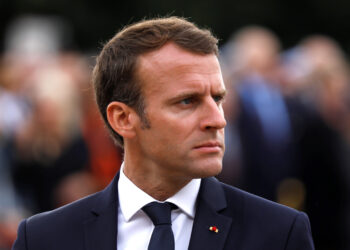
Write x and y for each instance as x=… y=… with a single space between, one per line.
x=159 y=213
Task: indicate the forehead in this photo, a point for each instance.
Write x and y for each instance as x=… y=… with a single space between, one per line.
x=172 y=66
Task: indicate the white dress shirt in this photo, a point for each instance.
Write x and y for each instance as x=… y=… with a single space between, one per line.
x=135 y=227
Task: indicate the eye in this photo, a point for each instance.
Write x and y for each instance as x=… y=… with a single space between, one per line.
x=218 y=98
x=186 y=101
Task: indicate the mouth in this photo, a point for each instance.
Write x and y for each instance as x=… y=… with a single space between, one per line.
x=209 y=147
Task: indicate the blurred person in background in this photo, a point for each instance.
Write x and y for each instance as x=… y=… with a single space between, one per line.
x=47 y=145
x=316 y=73
x=12 y=114
x=289 y=111
x=16 y=66
x=262 y=121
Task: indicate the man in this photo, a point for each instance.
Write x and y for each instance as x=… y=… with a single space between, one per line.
x=160 y=90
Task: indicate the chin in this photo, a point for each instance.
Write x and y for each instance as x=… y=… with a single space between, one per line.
x=208 y=170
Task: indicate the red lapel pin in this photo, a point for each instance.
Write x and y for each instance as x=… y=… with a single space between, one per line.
x=214 y=229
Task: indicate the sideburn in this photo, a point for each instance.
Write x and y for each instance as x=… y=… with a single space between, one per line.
x=141 y=111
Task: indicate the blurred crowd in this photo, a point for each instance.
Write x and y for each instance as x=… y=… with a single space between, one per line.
x=288 y=133
x=287 y=137
x=54 y=148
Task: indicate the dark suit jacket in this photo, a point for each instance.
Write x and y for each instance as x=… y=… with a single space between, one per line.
x=245 y=222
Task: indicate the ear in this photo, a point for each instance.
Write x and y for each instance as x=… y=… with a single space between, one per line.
x=122 y=119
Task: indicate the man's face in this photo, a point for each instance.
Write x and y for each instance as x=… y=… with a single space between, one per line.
x=183 y=94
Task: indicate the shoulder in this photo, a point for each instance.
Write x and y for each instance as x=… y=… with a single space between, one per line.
x=46 y=229
x=256 y=206
x=255 y=223
x=231 y=199
x=65 y=227
x=267 y=221
x=240 y=205
x=78 y=211
x=71 y=213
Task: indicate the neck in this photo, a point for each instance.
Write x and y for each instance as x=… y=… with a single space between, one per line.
x=149 y=179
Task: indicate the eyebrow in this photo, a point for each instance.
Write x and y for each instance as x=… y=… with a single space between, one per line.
x=222 y=92
x=186 y=94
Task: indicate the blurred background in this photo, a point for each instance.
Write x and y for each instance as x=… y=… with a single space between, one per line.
x=285 y=64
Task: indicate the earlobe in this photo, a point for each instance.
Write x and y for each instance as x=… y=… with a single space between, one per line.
x=119 y=117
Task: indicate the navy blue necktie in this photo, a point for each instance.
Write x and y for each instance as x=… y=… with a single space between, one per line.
x=162 y=237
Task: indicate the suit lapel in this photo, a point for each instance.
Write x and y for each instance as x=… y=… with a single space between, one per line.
x=211 y=200
x=101 y=227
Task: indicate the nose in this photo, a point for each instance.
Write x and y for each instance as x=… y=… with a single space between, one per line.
x=213 y=116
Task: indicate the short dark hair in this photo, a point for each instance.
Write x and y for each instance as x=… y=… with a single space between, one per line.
x=114 y=76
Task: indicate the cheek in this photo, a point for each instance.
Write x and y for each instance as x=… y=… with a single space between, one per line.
x=170 y=139
x=178 y=132
x=171 y=129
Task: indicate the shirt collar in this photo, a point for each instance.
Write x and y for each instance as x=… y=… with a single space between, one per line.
x=132 y=198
